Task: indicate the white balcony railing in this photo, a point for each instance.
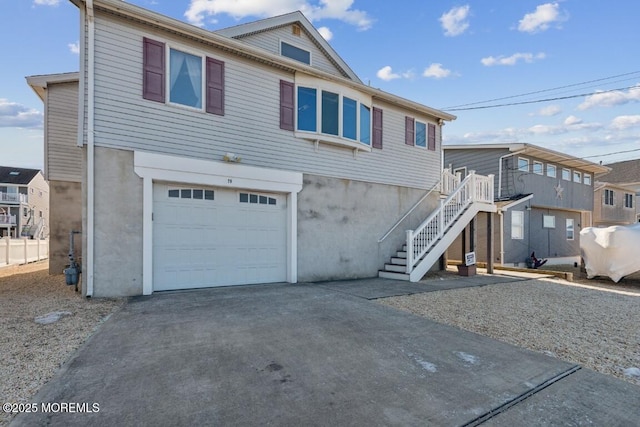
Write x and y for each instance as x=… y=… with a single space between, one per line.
x=7 y=219
x=13 y=198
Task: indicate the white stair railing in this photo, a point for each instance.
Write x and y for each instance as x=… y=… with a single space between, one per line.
x=474 y=188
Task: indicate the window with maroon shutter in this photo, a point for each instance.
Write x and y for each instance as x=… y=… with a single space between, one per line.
x=409 y=131
x=287 y=103
x=431 y=137
x=153 y=81
x=215 y=87
x=377 y=128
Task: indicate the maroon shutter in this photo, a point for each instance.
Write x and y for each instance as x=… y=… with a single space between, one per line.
x=432 y=137
x=409 y=131
x=215 y=87
x=153 y=70
x=287 y=103
x=376 y=141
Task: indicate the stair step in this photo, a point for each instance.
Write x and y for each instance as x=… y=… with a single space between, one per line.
x=395 y=268
x=398 y=261
x=392 y=275
x=401 y=254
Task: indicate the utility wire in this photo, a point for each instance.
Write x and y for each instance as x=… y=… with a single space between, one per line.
x=542 y=91
x=537 y=101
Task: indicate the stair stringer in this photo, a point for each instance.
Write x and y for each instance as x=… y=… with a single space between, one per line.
x=450 y=235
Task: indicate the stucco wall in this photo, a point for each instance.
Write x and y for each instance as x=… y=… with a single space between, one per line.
x=118 y=225
x=340 y=222
x=65 y=214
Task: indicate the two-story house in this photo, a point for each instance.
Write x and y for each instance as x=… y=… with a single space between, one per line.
x=543 y=197
x=247 y=155
x=616 y=193
x=24 y=203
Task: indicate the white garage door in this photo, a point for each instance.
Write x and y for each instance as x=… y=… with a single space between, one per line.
x=205 y=236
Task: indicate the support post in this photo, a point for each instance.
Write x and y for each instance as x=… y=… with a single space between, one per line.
x=409 y=251
x=490 y=243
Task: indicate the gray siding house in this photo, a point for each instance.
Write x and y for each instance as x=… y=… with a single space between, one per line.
x=63 y=160
x=252 y=154
x=544 y=199
x=616 y=195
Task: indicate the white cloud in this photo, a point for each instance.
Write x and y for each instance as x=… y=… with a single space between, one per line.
x=455 y=21
x=325 y=33
x=511 y=60
x=572 y=120
x=541 y=19
x=74 y=47
x=386 y=74
x=625 y=122
x=46 y=2
x=436 y=71
x=551 y=110
x=19 y=116
x=611 y=99
x=341 y=10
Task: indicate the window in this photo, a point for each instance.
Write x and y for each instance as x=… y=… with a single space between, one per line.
x=548 y=221
x=257 y=199
x=419 y=134
x=295 y=52
x=39 y=214
x=587 y=179
x=577 y=177
x=339 y=115
x=570 y=229
x=628 y=200
x=537 y=168
x=609 y=197
x=190 y=193
x=566 y=174
x=191 y=80
x=25 y=212
x=523 y=164
x=551 y=171
x=517 y=224
x=185 y=79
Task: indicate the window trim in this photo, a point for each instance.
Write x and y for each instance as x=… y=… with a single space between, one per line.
x=609 y=197
x=568 y=178
x=628 y=200
x=318 y=135
x=577 y=177
x=548 y=221
x=521 y=167
x=520 y=235
x=555 y=170
x=535 y=163
x=203 y=76
x=570 y=228
x=586 y=177
x=281 y=41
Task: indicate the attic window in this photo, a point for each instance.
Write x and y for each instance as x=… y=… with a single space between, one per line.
x=296 y=53
x=295 y=30
x=14 y=173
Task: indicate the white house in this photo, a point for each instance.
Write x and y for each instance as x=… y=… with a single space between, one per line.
x=248 y=155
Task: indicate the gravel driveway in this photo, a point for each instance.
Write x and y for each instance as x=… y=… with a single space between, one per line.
x=592 y=323
x=30 y=352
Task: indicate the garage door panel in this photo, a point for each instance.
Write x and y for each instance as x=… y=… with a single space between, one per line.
x=202 y=243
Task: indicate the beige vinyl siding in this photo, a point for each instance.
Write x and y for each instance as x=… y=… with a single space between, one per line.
x=270 y=41
x=250 y=126
x=63 y=156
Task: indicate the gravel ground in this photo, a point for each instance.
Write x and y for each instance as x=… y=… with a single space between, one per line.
x=30 y=352
x=594 y=323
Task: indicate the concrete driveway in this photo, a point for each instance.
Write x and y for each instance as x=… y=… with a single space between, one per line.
x=315 y=354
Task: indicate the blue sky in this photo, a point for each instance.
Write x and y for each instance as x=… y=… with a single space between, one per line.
x=444 y=54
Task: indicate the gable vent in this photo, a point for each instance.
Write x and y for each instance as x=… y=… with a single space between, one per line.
x=295 y=30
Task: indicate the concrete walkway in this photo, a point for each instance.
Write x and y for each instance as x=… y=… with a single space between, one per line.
x=317 y=354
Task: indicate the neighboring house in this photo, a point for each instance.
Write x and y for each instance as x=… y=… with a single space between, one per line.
x=544 y=199
x=63 y=163
x=616 y=195
x=248 y=155
x=24 y=203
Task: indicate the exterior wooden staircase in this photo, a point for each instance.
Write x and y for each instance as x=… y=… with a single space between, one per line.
x=430 y=240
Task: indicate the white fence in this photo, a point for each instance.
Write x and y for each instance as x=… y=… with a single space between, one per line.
x=22 y=251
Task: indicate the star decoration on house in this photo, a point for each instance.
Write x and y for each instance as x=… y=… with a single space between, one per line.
x=559 y=191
